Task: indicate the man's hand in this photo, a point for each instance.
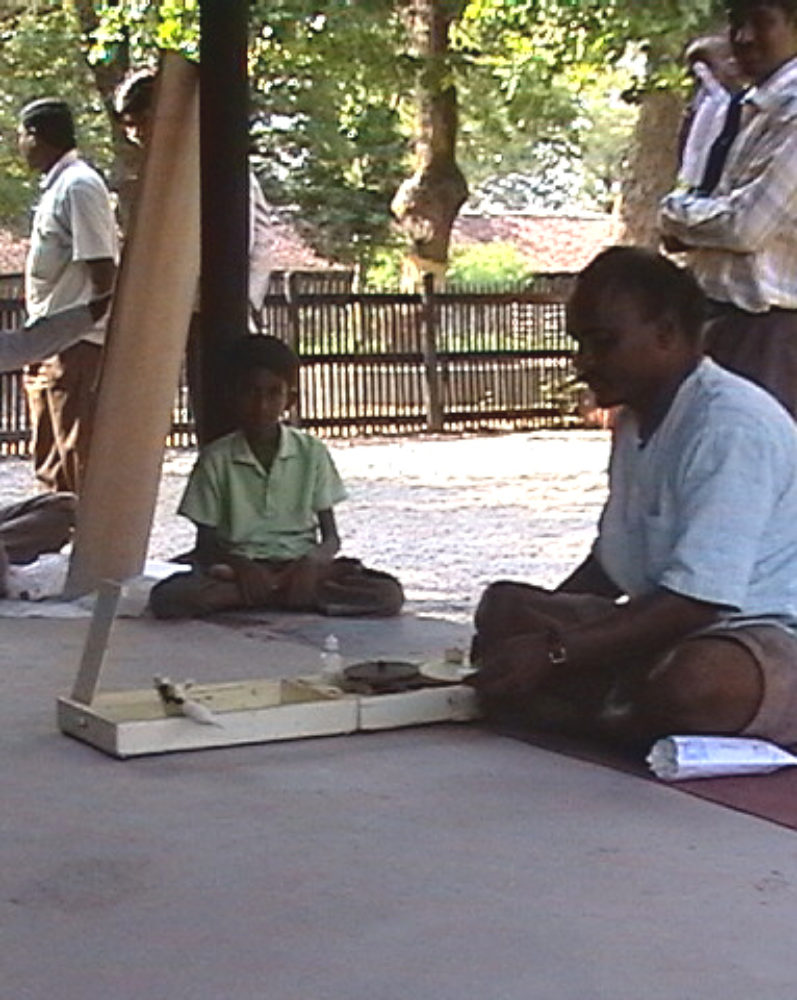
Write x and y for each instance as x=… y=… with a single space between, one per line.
x=99 y=307
x=319 y=555
x=672 y=244
x=300 y=578
x=512 y=670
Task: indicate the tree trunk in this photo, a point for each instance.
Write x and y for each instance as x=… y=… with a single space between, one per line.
x=652 y=168
x=427 y=203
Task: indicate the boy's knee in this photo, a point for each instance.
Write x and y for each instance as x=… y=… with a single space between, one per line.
x=391 y=598
x=192 y=595
x=387 y=592
x=166 y=600
x=364 y=592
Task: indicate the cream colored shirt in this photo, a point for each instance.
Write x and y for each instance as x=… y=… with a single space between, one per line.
x=73 y=223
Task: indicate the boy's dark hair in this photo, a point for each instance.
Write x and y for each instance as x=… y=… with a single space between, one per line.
x=659 y=287
x=136 y=93
x=738 y=9
x=51 y=120
x=263 y=351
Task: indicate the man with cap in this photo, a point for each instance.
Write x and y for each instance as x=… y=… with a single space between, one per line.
x=72 y=259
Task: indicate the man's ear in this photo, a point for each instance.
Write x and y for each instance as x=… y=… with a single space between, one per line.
x=293 y=396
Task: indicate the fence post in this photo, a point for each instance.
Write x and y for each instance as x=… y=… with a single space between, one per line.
x=432 y=398
x=294 y=333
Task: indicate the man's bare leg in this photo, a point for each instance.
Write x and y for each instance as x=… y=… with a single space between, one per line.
x=706 y=685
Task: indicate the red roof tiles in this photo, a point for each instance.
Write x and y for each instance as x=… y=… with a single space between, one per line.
x=551 y=243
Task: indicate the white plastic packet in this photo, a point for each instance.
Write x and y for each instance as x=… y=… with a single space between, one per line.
x=36 y=581
x=678 y=758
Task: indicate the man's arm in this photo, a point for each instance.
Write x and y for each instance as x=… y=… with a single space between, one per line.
x=102 y=273
x=329 y=545
x=641 y=629
x=744 y=219
x=48 y=335
x=590 y=578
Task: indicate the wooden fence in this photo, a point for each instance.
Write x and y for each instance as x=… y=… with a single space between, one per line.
x=389 y=363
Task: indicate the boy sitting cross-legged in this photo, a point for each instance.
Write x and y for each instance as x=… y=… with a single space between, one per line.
x=261 y=499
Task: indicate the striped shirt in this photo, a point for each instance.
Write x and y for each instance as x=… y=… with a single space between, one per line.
x=743 y=237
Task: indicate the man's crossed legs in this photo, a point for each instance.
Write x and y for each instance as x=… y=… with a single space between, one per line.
x=723 y=680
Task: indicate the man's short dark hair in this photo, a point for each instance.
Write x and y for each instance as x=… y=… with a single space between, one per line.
x=658 y=286
x=136 y=93
x=738 y=9
x=51 y=120
x=263 y=351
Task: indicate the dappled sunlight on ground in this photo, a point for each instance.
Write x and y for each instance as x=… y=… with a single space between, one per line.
x=446 y=515
x=450 y=515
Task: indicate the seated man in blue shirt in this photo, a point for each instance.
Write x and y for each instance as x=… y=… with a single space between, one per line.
x=682 y=619
x=261 y=499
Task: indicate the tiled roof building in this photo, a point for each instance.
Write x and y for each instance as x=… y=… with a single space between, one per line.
x=550 y=243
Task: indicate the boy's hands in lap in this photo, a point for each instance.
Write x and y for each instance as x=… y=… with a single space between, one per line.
x=300 y=579
x=256 y=582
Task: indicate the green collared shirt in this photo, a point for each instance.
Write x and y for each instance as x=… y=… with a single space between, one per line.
x=259 y=514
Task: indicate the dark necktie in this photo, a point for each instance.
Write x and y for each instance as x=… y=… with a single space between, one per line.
x=720 y=148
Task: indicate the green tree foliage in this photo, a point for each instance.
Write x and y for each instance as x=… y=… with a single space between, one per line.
x=141 y=27
x=584 y=53
x=332 y=89
x=327 y=118
x=493 y=264
x=597 y=32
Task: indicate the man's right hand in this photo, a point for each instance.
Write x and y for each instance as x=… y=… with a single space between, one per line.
x=99 y=307
x=672 y=244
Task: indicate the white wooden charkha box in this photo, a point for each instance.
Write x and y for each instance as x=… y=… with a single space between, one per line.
x=136 y=722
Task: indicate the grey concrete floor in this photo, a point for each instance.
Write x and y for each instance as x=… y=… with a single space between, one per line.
x=441 y=862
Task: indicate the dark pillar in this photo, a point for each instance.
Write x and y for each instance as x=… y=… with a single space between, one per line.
x=224 y=146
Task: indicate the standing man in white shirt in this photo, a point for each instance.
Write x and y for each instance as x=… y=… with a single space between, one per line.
x=740 y=233
x=72 y=259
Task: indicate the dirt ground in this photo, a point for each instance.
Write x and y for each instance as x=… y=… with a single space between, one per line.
x=446 y=515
